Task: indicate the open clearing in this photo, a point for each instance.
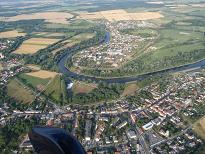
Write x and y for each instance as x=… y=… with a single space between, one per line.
x=130 y=89
x=33 y=67
x=33 y=45
x=19 y=92
x=52 y=17
x=118 y=15
x=48 y=34
x=43 y=74
x=82 y=87
x=10 y=34
x=199 y=127
x=1 y=67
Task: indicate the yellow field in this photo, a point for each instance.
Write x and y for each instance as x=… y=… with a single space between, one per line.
x=41 y=41
x=10 y=34
x=29 y=49
x=43 y=74
x=82 y=87
x=199 y=127
x=118 y=15
x=52 y=17
x=33 y=45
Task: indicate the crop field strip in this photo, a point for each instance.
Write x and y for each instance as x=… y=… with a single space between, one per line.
x=43 y=74
x=119 y=15
x=51 y=17
x=33 y=45
x=11 y=34
x=18 y=91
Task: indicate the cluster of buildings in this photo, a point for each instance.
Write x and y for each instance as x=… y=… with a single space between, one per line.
x=10 y=69
x=5 y=44
x=122 y=126
x=155 y=125
x=112 y=54
x=184 y=142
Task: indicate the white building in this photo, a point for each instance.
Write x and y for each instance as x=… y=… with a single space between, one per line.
x=148 y=126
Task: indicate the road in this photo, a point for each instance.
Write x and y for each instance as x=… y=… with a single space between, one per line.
x=171 y=138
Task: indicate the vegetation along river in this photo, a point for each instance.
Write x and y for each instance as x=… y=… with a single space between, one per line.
x=64 y=70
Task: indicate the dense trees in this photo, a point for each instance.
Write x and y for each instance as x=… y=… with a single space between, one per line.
x=27 y=25
x=10 y=133
x=102 y=93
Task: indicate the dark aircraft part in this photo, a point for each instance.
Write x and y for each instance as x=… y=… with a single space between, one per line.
x=48 y=140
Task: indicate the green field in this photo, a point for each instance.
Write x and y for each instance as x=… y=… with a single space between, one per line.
x=56 y=89
x=18 y=91
x=143 y=32
x=33 y=81
x=78 y=24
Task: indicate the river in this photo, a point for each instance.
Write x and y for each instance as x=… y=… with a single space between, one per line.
x=67 y=72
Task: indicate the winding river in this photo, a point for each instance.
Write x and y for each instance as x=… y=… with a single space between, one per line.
x=67 y=72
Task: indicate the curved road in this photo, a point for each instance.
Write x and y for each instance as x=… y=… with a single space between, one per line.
x=67 y=72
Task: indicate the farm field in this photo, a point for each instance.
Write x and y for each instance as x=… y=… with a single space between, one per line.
x=73 y=41
x=42 y=74
x=19 y=92
x=77 y=24
x=48 y=34
x=51 y=17
x=33 y=45
x=169 y=46
x=33 y=67
x=56 y=89
x=119 y=15
x=80 y=87
x=11 y=34
x=35 y=82
x=199 y=127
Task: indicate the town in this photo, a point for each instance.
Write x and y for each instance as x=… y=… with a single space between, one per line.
x=157 y=121
x=119 y=50
x=119 y=77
